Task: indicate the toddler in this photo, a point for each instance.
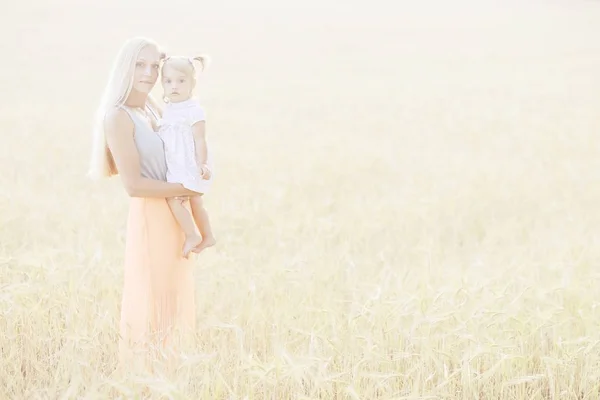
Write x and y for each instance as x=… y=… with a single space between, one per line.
x=183 y=132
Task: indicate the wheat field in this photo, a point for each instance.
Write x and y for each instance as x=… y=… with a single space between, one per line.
x=407 y=203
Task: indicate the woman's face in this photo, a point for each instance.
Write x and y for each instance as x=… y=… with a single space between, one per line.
x=146 y=69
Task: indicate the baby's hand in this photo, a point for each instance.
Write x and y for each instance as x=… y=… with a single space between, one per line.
x=205 y=172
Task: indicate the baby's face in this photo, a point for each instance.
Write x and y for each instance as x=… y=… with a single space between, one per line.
x=177 y=85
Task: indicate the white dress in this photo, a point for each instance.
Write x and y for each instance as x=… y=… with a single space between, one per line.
x=175 y=130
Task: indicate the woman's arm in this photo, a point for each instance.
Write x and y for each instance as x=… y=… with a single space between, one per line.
x=119 y=136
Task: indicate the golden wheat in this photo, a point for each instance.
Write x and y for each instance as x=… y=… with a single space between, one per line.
x=407 y=202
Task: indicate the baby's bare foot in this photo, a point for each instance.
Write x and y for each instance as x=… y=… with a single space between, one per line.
x=206 y=242
x=191 y=242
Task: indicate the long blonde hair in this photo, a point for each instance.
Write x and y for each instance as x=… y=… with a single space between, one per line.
x=115 y=94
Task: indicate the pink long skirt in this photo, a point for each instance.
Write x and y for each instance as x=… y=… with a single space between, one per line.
x=158 y=295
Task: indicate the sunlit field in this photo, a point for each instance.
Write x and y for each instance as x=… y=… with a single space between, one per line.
x=407 y=201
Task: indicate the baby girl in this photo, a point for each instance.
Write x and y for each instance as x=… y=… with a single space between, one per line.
x=183 y=132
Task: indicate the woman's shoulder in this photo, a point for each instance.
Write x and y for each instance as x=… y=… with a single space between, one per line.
x=117 y=122
x=117 y=116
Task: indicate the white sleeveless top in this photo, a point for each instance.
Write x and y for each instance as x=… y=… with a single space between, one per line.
x=149 y=145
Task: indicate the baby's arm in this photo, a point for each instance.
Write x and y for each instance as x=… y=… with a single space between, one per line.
x=199 y=132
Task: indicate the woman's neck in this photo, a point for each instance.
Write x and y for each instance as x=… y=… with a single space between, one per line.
x=136 y=99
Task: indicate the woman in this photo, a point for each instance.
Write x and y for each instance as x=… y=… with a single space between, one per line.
x=158 y=293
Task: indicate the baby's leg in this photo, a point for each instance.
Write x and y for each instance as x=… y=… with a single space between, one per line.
x=203 y=223
x=186 y=222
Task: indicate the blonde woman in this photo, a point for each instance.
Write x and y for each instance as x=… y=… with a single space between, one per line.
x=158 y=292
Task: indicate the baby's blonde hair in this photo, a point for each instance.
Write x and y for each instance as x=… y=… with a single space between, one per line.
x=186 y=65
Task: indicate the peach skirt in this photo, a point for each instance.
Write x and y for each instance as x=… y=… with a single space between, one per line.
x=158 y=292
